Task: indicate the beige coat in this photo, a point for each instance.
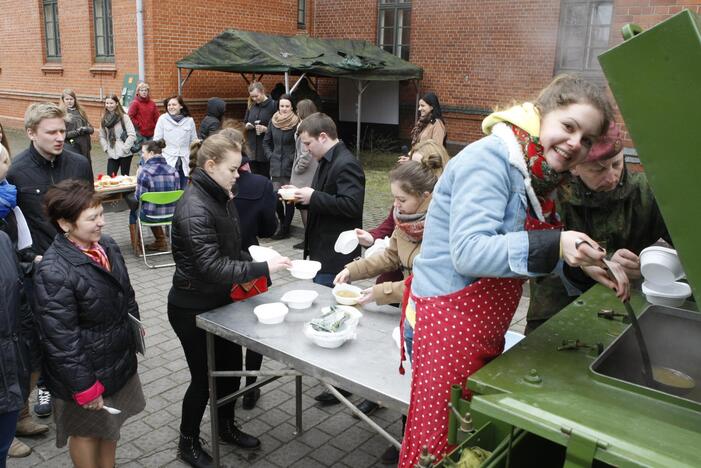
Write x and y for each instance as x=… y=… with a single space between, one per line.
x=434 y=131
x=400 y=254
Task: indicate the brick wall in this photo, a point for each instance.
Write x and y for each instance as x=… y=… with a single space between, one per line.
x=171 y=31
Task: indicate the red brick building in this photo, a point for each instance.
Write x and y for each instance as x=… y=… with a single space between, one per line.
x=475 y=54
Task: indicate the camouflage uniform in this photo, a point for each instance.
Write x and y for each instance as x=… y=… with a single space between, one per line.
x=626 y=217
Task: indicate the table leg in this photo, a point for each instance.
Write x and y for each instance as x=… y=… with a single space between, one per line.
x=298 y=404
x=362 y=416
x=213 y=405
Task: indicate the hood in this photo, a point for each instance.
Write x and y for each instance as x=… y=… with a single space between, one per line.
x=216 y=107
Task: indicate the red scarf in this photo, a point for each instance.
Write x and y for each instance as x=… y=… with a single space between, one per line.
x=412 y=225
x=96 y=253
x=543 y=178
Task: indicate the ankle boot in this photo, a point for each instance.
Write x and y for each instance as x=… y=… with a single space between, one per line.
x=160 y=244
x=26 y=426
x=283 y=232
x=228 y=432
x=135 y=239
x=191 y=452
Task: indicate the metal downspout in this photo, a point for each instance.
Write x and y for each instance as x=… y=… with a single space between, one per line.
x=140 y=38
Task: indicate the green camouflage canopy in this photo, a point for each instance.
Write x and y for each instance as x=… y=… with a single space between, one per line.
x=253 y=52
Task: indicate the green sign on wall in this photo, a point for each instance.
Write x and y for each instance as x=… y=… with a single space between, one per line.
x=129 y=88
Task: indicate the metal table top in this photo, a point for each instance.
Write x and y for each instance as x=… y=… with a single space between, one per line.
x=367 y=366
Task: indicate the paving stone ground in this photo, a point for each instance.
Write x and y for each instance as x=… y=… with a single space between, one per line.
x=332 y=438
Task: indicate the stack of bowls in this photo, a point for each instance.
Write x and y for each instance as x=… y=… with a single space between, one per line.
x=661 y=268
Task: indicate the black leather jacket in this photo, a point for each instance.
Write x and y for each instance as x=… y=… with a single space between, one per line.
x=207 y=247
x=82 y=319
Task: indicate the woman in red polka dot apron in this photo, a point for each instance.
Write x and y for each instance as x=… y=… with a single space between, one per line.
x=493 y=223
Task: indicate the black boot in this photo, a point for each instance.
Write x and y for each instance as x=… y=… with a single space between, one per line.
x=190 y=451
x=283 y=232
x=229 y=433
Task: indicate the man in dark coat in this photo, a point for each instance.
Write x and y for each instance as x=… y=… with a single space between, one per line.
x=212 y=121
x=613 y=206
x=335 y=203
x=335 y=199
x=256 y=120
x=45 y=163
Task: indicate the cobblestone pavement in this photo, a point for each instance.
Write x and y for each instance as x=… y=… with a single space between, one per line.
x=331 y=438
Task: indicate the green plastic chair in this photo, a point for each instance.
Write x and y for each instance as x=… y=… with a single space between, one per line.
x=157 y=198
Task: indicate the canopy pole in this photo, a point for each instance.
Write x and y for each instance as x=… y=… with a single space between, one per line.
x=287 y=83
x=180 y=82
x=292 y=90
x=245 y=79
x=361 y=86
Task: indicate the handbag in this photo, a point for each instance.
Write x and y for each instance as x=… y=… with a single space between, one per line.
x=243 y=291
x=136 y=146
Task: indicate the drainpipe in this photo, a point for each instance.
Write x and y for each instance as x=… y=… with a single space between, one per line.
x=140 y=37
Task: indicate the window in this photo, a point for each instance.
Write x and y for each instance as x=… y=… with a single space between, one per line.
x=394 y=26
x=52 y=38
x=301 y=13
x=584 y=34
x=104 y=40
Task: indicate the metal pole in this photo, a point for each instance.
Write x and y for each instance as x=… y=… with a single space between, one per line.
x=298 y=404
x=180 y=82
x=213 y=405
x=362 y=416
x=287 y=83
x=361 y=86
x=140 y=38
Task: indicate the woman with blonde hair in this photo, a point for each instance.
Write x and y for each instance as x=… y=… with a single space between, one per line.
x=78 y=128
x=208 y=261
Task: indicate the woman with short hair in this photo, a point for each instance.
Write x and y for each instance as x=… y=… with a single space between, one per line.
x=86 y=306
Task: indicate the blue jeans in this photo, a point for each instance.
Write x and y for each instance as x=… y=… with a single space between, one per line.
x=8 y=423
x=324 y=279
x=408 y=338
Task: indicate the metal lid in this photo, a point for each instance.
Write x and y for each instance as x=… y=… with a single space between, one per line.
x=654 y=77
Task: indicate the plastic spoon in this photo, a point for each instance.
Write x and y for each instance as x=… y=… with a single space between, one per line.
x=111 y=410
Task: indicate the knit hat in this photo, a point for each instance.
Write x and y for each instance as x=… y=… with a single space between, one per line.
x=608 y=145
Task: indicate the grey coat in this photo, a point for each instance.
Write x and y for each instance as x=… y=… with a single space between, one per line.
x=280 y=150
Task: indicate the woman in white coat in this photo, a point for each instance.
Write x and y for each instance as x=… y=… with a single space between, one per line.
x=117 y=136
x=178 y=130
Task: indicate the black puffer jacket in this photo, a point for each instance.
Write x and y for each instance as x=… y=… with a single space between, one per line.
x=280 y=149
x=212 y=121
x=33 y=175
x=207 y=247
x=15 y=327
x=82 y=318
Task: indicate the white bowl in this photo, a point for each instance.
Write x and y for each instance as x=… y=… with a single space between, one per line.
x=660 y=265
x=331 y=340
x=271 y=313
x=349 y=301
x=347 y=242
x=304 y=269
x=299 y=298
x=262 y=254
x=671 y=295
x=287 y=193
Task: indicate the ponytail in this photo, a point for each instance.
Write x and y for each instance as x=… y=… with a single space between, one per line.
x=414 y=177
x=211 y=149
x=434 y=155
